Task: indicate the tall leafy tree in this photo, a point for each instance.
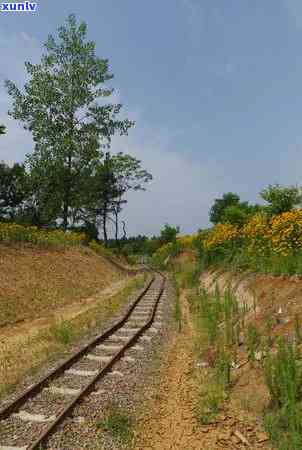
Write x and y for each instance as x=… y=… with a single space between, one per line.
x=281 y=198
x=129 y=175
x=63 y=105
x=100 y=196
x=2 y=129
x=221 y=204
x=13 y=190
x=168 y=234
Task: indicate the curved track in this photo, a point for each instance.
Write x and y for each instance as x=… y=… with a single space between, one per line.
x=29 y=421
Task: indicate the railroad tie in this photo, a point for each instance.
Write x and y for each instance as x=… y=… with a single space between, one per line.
x=146 y=338
x=62 y=391
x=12 y=448
x=28 y=417
x=103 y=359
x=130 y=329
x=109 y=348
x=116 y=338
x=128 y=359
x=153 y=330
x=116 y=373
x=138 y=348
x=82 y=373
x=98 y=392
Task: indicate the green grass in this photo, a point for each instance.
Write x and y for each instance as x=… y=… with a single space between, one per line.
x=211 y=398
x=238 y=258
x=118 y=424
x=63 y=332
x=177 y=308
x=283 y=374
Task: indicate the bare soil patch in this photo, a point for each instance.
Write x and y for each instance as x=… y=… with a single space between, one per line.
x=35 y=282
x=171 y=420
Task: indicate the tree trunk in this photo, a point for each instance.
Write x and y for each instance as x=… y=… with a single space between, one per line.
x=116 y=228
x=105 y=225
x=67 y=192
x=124 y=229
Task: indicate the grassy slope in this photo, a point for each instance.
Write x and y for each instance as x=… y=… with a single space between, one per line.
x=59 y=296
x=36 y=281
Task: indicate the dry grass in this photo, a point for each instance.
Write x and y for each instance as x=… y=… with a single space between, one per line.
x=37 y=281
x=20 y=357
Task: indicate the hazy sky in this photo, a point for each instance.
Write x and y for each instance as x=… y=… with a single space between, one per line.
x=214 y=87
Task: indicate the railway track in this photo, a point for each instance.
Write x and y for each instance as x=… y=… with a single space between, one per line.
x=33 y=417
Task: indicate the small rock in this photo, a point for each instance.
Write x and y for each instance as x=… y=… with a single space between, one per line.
x=259 y=355
x=241 y=339
x=261 y=436
x=202 y=364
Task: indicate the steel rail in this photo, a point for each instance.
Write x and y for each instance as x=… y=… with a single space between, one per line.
x=46 y=434
x=8 y=409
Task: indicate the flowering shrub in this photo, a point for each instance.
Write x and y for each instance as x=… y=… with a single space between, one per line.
x=257 y=234
x=12 y=232
x=285 y=232
x=221 y=234
x=186 y=241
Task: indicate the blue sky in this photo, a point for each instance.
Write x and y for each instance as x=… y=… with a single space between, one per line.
x=214 y=86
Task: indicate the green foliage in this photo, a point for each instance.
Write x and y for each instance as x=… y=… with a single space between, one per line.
x=177 y=308
x=252 y=341
x=220 y=205
x=118 y=424
x=168 y=234
x=223 y=368
x=60 y=106
x=283 y=373
x=2 y=129
x=210 y=402
x=105 y=196
x=100 y=249
x=215 y=310
x=229 y=209
x=281 y=199
x=298 y=329
x=14 y=191
x=63 y=332
x=14 y=233
x=235 y=214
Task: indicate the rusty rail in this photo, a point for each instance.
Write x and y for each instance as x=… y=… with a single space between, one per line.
x=33 y=390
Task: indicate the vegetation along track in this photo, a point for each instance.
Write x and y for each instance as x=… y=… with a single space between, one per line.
x=28 y=422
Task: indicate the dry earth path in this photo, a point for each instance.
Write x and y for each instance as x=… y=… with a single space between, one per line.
x=170 y=421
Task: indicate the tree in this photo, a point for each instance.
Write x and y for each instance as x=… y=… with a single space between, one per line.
x=220 y=205
x=281 y=198
x=129 y=175
x=168 y=234
x=2 y=129
x=99 y=196
x=61 y=105
x=235 y=214
x=13 y=190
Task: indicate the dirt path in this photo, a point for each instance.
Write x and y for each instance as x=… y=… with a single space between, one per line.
x=170 y=423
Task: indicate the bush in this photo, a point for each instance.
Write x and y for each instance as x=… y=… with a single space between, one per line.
x=100 y=249
x=283 y=374
x=14 y=233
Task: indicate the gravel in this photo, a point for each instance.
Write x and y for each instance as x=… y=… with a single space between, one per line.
x=126 y=393
x=123 y=387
